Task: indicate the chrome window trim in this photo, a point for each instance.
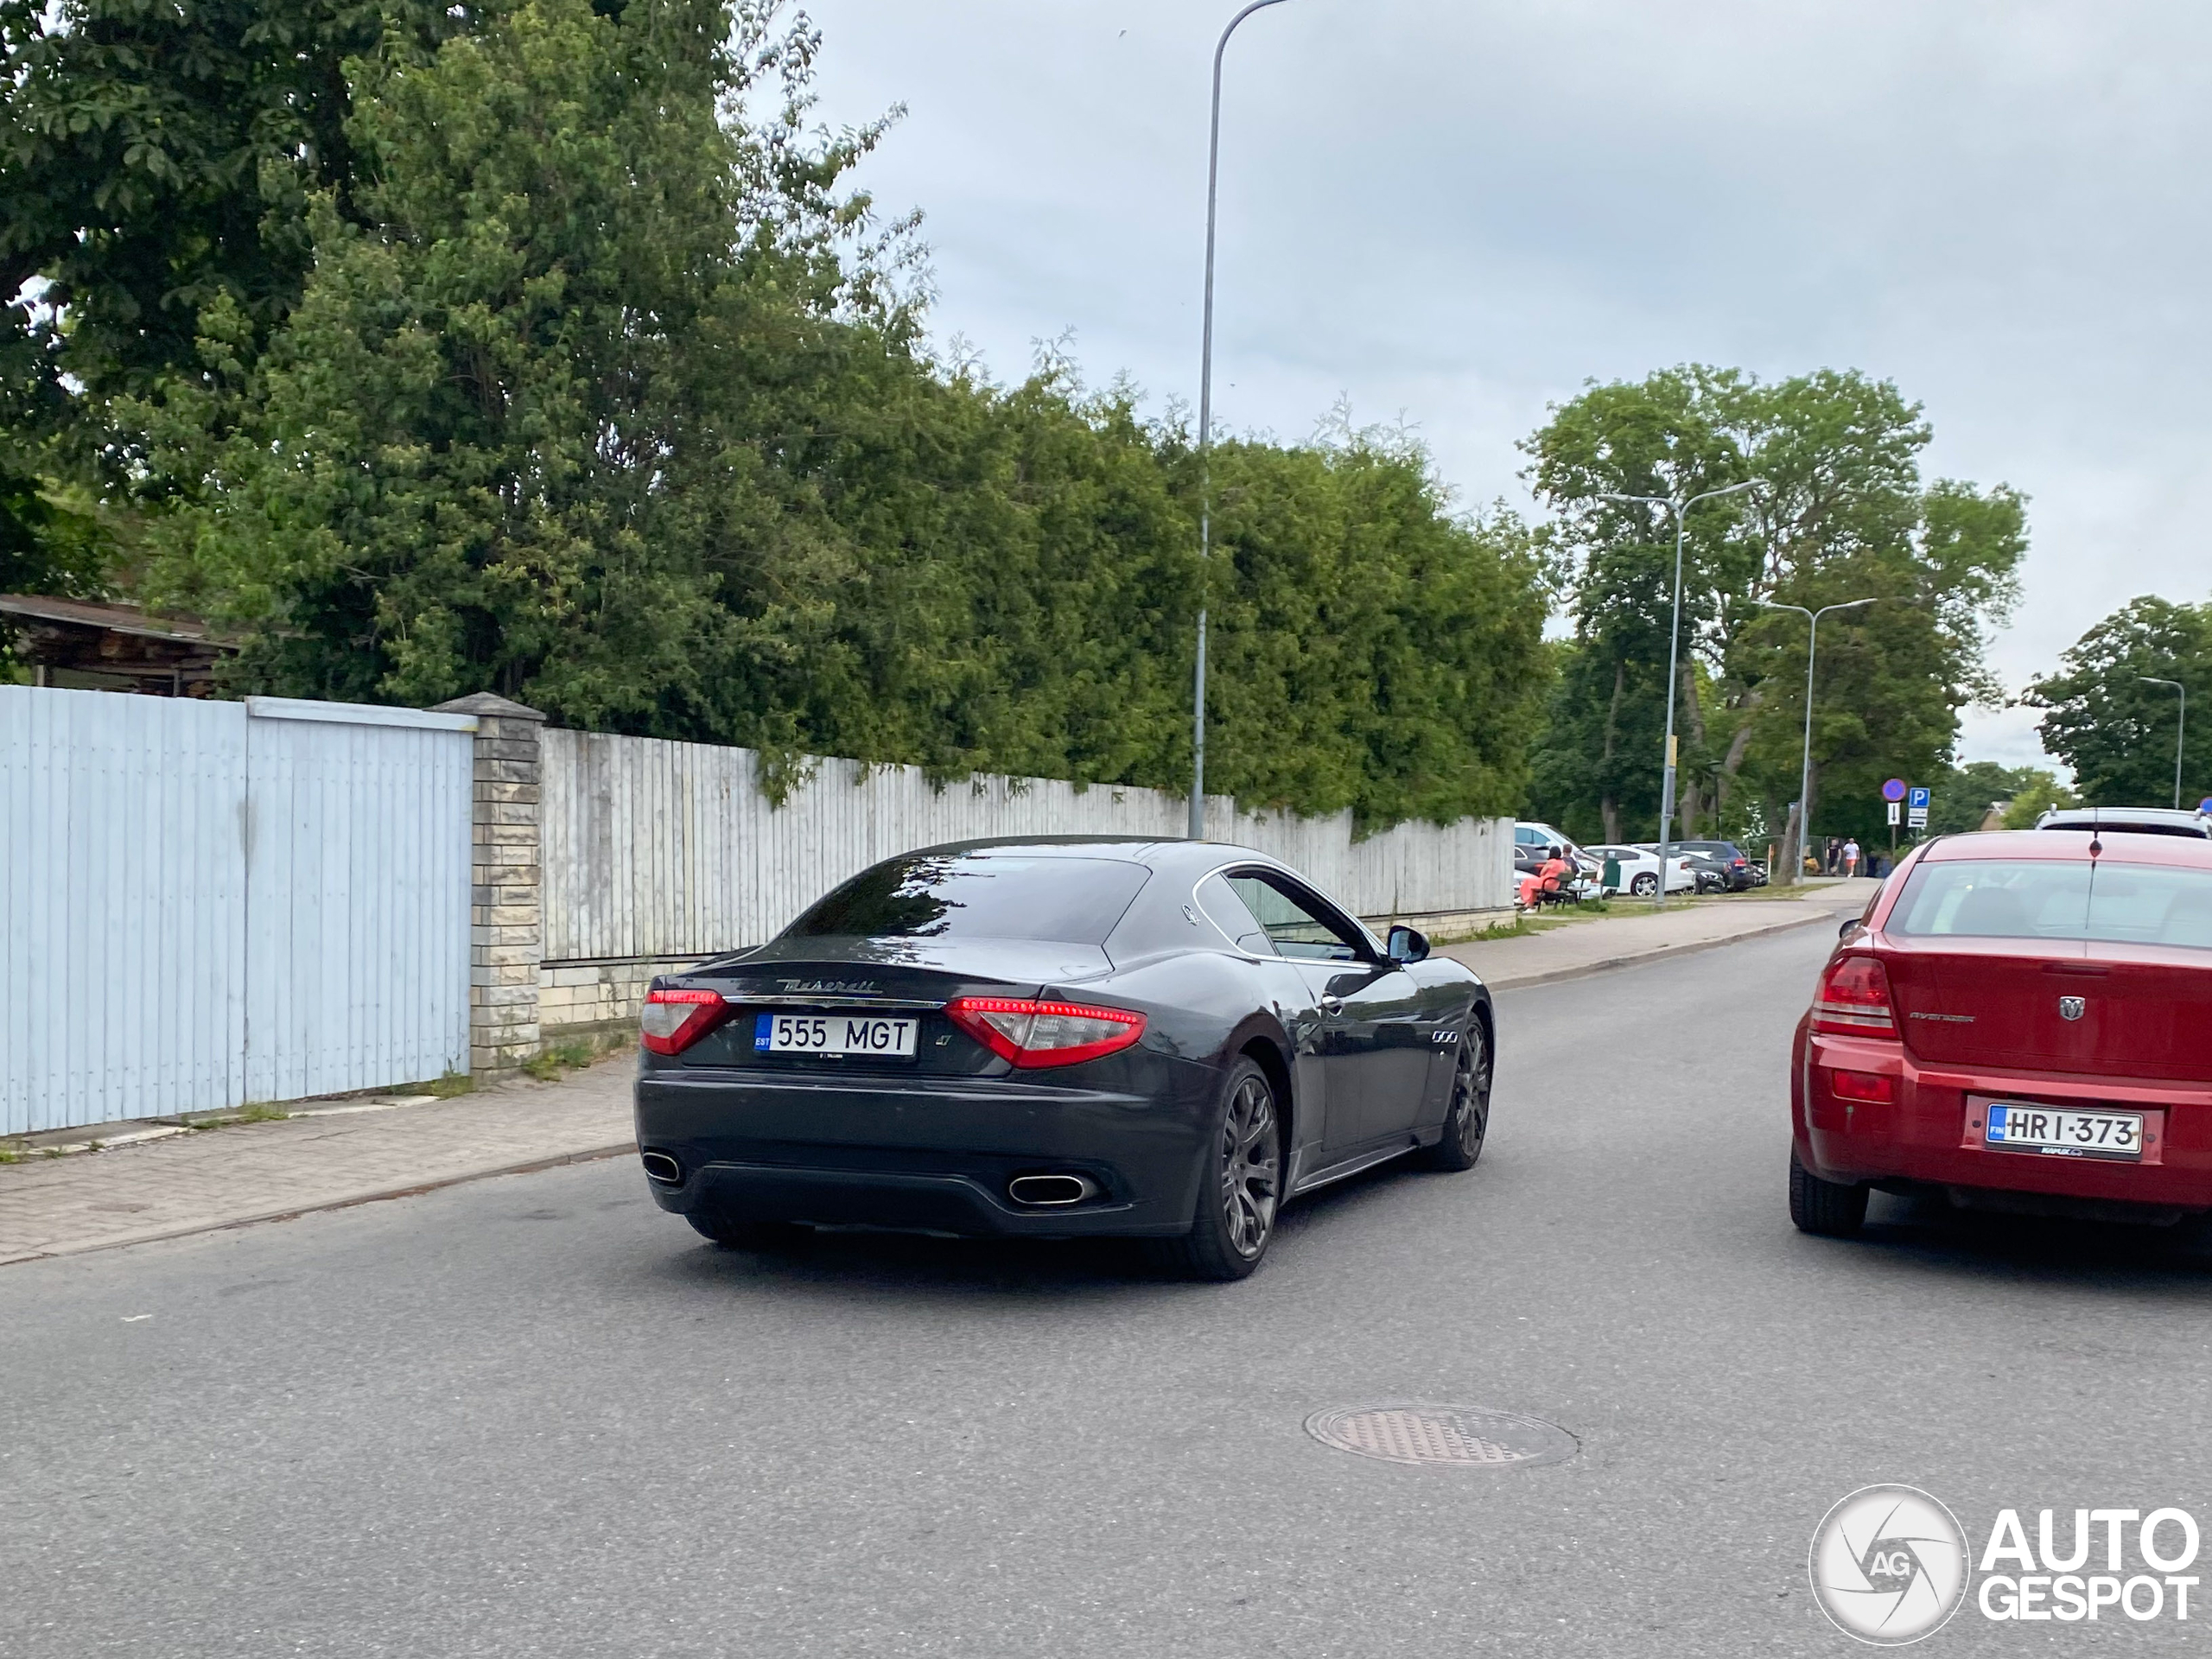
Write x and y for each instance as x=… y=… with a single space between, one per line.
x=1378 y=952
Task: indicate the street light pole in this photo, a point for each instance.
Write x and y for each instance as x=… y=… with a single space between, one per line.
x=2181 y=728
x=1680 y=510
x=1205 y=435
x=1805 y=764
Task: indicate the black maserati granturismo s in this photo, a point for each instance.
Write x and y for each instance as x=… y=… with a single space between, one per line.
x=1056 y=1037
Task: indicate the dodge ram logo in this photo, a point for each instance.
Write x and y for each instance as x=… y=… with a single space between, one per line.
x=2072 y=1007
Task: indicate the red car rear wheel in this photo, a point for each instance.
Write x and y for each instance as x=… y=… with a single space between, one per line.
x=1828 y=1208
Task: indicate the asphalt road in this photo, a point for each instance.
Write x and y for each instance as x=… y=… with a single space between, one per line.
x=536 y=1416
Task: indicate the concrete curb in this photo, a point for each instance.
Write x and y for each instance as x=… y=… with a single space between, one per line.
x=1583 y=971
x=527 y=1167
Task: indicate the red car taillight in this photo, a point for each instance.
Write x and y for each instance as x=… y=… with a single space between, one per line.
x=1854 y=1000
x=1031 y=1033
x=1859 y=1085
x=672 y=1020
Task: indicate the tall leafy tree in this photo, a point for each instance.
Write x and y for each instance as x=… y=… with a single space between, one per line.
x=2037 y=794
x=1669 y=436
x=600 y=392
x=1962 y=796
x=155 y=159
x=156 y=156
x=2115 y=731
x=1837 y=510
x=515 y=431
x=1368 y=649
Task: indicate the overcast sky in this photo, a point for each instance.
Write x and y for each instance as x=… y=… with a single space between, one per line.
x=1459 y=212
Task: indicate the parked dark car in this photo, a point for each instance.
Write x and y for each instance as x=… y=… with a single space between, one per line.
x=1712 y=874
x=1059 y=1037
x=1740 y=872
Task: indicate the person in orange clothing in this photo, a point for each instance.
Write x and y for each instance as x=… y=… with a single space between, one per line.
x=1551 y=876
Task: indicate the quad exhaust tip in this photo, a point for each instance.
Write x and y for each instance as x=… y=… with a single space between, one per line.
x=660 y=1166
x=1051 y=1191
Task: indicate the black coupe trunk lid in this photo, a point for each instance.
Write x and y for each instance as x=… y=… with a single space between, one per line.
x=896 y=977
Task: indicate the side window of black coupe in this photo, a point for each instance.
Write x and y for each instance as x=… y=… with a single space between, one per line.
x=1295 y=930
x=1234 y=917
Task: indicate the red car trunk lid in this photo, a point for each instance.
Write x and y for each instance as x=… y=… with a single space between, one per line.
x=2128 y=996
x=1988 y=1003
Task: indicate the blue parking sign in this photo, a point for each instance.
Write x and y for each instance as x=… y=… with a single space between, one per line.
x=1917 y=801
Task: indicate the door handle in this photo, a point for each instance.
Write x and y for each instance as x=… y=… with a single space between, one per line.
x=1333 y=1004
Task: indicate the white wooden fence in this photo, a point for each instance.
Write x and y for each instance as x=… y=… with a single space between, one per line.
x=661 y=849
x=205 y=904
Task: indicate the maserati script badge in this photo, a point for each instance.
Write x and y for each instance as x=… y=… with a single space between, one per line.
x=2072 y=1007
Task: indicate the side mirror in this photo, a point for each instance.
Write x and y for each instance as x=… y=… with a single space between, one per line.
x=1408 y=944
x=1850 y=924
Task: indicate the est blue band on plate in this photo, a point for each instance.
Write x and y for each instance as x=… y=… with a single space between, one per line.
x=764 y=1027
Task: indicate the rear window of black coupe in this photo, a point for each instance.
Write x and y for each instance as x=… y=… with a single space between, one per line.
x=977 y=896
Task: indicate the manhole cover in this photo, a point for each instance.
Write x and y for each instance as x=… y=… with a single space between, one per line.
x=1465 y=1437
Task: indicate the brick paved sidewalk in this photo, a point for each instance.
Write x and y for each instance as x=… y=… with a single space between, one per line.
x=263 y=1172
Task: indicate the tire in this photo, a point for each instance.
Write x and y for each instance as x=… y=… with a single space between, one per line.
x=1242 y=1191
x=732 y=1233
x=1466 y=1120
x=1828 y=1208
x=1644 y=886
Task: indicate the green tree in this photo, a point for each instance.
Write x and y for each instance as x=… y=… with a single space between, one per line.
x=517 y=431
x=2118 y=733
x=1962 y=796
x=599 y=393
x=1367 y=649
x=2040 y=794
x=154 y=158
x=1669 y=436
x=1838 y=511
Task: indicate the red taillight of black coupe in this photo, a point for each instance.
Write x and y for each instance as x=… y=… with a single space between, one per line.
x=1031 y=1033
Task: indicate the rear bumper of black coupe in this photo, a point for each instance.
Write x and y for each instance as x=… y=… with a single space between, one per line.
x=930 y=1154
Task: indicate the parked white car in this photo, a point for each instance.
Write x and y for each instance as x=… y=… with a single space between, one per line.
x=1639 y=871
x=1533 y=841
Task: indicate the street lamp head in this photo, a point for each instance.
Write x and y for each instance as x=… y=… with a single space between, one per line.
x=1675 y=501
x=1807 y=610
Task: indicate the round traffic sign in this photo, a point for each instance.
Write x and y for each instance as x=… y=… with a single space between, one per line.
x=1894 y=790
x=2205 y=806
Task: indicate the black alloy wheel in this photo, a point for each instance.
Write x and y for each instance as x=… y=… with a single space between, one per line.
x=1237 y=1205
x=1466 y=1120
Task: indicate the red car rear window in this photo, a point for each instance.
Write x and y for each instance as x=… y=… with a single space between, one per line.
x=2039 y=899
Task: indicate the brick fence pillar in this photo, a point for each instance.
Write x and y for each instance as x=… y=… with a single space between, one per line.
x=505 y=917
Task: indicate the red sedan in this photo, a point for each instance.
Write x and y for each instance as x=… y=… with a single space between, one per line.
x=2019 y=1021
